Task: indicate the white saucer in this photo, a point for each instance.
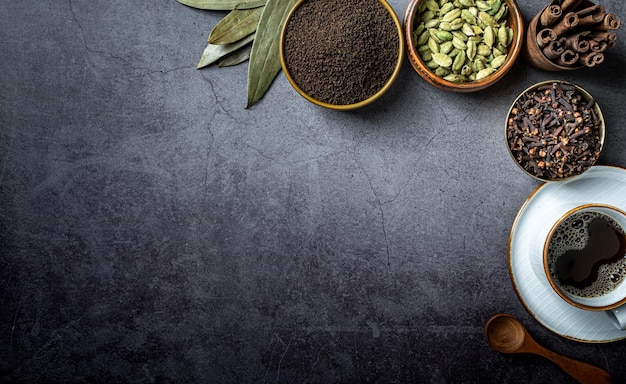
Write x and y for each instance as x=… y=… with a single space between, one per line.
x=600 y=184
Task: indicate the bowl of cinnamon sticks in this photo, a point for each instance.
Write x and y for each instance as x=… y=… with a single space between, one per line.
x=570 y=34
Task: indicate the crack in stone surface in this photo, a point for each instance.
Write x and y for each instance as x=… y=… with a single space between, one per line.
x=120 y=58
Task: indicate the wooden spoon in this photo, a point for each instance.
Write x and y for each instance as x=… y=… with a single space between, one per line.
x=506 y=334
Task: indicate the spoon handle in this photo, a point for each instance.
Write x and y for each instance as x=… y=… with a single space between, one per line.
x=581 y=371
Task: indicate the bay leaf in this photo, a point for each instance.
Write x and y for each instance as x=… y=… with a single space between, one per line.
x=264 y=58
x=237 y=57
x=214 y=52
x=236 y=25
x=223 y=5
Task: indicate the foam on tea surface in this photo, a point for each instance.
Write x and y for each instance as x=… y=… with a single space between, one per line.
x=586 y=254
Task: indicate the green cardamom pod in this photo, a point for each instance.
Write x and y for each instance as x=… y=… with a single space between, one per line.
x=459 y=43
x=431 y=64
x=441 y=71
x=467 y=3
x=445 y=25
x=446 y=47
x=482 y=5
x=423 y=39
x=455 y=78
x=483 y=50
x=432 y=44
x=468 y=30
x=495 y=6
x=442 y=59
x=451 y=15
x=483 y=73
x=427 y=16
x=444 y=35
x=431 y=5
x=418 y=30
x=503 y=36
x=477 y=30
x=456 y=24
x=433 y=35
x=467 y=16
x=471 y=49
x=458 y=62
x=459 y=35
x=487 y=19
x=445 y=8
x=498 y=61
x=434 y=23
x=502 y=12
x=478 y=65
x=488 y=36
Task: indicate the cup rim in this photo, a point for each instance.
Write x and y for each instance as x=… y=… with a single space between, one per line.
x=555 y=287
x=359 y=104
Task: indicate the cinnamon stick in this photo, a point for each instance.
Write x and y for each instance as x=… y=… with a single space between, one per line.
x=577 y=43
x=566 y=5
x=591 y=15
x=569 y=21
x=550 y=15
x=545 y=36
x=553 y=50
x=609 y=22
x=609 y=37
x=591 y=59
x=568 y=58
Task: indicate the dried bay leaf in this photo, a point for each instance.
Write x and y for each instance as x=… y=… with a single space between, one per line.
x=237 y=57
x=264 y=58
x=236 y=25
x=223 y=5
x=214 y=52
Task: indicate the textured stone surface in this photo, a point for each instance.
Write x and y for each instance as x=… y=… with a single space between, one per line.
x=153 y=230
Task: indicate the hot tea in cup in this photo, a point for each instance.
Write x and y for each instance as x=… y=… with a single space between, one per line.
x=585 y=259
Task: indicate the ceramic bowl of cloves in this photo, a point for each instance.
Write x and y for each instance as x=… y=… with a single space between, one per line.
x=464 y=45
x=555 y=131
x=341 y=55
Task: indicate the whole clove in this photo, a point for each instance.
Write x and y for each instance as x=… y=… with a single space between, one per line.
x=554 y=132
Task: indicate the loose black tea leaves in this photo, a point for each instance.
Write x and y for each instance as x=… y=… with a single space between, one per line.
x=341 y=52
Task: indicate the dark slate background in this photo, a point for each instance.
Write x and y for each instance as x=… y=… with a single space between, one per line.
x=153 y=230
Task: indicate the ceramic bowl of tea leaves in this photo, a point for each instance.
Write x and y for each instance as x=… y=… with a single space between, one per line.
x=463 y=45
x=555 y=131
x=341 y=55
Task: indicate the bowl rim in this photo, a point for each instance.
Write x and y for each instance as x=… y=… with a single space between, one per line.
x=587 y=97
x=362 y=103
x=515 y=15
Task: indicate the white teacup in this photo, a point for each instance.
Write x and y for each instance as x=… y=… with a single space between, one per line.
x=584 y=259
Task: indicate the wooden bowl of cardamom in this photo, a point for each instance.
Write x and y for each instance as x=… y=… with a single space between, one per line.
x=341 y=55
x=463 y=45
